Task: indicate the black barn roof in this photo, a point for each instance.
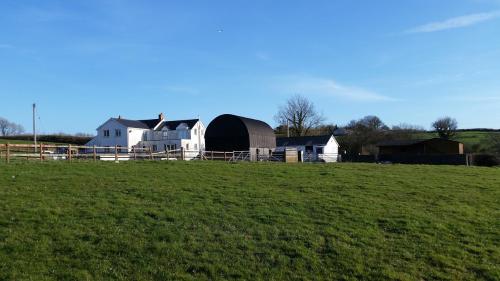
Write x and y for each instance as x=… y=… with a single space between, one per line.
x=229 y=132
x=171 y=125
x=303 y=141
x=141 y=124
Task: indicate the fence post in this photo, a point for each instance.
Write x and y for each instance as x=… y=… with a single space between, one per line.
x=7 y=155
x=41 y=153
x=168 y=158
x=133 y=150
x=150 y=153
x=116 y=152
x=212 y=155
x=69 y=152
x=182 y=153
x=94 y=153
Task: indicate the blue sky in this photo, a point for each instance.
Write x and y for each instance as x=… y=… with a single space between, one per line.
x=406 y=61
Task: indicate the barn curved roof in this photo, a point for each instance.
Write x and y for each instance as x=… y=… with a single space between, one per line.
x=255 y=126
x=233 y=132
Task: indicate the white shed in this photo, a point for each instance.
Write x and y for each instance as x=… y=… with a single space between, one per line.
x=312 y=148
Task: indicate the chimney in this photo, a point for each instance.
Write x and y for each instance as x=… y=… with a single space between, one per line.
x=119 y=117
x=161 y=116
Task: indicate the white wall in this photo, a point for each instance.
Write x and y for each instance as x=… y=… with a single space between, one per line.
x=112 y=140
x=135 y=136
x=330 y=149
x=182 y=136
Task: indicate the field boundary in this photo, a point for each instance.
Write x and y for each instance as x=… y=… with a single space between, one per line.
x=46 y=152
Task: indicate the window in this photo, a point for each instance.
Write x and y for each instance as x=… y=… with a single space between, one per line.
x=187 y=146
x=165 y=147
x=195 y=146
x=145 y=136
x=118 y=133
x=195 y=132
x=155 y=148
x=106 y=133
x=165 y=135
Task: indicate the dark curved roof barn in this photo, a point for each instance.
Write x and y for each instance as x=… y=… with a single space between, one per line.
x=229 y=132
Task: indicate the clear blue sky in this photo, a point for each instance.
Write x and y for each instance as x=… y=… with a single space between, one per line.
x=406 y=61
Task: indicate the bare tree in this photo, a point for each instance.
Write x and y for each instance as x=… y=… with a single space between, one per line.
x=8 y=128
x=405 y=131
x=17 y=129
x=365 y=132
x=446 y=127
x=4 y=126
x=300 y=115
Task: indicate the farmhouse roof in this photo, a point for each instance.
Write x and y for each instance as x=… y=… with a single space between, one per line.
x=141 y=124
x=305 y=140
x=409 y=142
x=171 y=125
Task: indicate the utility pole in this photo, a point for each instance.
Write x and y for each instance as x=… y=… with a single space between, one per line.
x=287 y=128
x=34 y=124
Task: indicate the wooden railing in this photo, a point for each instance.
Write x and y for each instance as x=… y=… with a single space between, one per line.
x=46 y=152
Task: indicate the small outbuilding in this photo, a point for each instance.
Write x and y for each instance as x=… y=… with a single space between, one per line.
x=229 y=132
x=311 y=148
x=429 y=151
x=426 y=146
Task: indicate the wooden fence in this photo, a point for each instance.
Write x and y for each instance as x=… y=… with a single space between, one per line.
x=47 y=152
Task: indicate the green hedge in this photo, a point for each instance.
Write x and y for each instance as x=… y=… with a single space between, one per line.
x=52 y=138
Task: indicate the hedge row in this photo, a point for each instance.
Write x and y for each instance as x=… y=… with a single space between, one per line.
x=487 y=160
x=52 y=138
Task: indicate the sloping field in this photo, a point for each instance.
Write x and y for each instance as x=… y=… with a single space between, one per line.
x=248 y=221
x=468 y=138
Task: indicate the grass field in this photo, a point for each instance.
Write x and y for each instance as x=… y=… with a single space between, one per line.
x=248 y=221
x=470 y=139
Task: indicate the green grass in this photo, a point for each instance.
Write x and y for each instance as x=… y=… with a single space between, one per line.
x=248 y=221
x=469 y=138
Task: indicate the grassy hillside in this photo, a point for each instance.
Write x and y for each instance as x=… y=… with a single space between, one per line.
x=469 y=138
x=248 y=221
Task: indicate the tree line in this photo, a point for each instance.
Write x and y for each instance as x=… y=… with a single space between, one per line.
x=299 y=117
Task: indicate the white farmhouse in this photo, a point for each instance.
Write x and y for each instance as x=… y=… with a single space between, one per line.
x=157 y=134
x=311 y=148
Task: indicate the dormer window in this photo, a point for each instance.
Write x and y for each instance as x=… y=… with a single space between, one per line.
x=165 y=135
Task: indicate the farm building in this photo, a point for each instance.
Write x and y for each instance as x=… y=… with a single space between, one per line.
x=312 y=148
x=229 y=132
x=430 y=151
x=158 y=134
x=429 y=146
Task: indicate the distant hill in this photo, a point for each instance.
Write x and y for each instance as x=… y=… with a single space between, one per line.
x=66 y=139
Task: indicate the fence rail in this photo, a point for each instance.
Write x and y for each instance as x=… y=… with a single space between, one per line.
x=45 y=152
